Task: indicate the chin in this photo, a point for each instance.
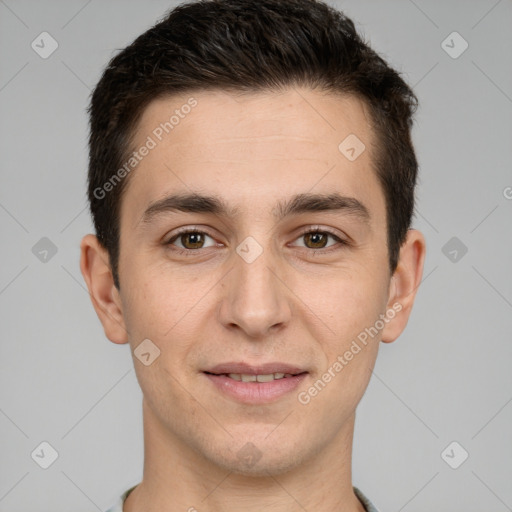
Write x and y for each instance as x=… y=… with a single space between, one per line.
x=259 y=459
x=263 y=468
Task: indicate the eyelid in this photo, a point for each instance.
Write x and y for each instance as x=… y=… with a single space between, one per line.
x=186 y=230
x=342 y=240
x=320 y=229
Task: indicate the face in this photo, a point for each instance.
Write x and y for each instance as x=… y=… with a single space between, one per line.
x=283 y=273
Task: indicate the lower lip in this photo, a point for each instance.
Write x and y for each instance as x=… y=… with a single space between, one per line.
x=256 y=392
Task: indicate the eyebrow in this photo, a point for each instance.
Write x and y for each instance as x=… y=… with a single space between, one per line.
x=297 y=204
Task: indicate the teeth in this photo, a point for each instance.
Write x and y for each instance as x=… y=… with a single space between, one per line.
x=265 y=378
x=258 y=378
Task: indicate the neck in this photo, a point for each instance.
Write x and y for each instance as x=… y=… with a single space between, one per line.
x=177 y=478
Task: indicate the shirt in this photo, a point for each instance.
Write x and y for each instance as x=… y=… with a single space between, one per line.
x=118 y=507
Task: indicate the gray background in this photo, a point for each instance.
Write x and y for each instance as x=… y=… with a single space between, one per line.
x=446 y=379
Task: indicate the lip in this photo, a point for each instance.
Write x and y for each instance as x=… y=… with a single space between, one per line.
x=255 y=392
x=260 y=369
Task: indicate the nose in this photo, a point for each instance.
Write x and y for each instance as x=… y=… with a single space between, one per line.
x=255 y=300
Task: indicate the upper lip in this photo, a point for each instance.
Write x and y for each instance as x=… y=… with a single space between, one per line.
x=260 y=369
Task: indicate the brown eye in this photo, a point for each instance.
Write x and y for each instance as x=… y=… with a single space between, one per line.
x=316 y=239
x=190 y=240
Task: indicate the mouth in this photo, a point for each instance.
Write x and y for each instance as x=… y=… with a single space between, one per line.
x=255 y=384
x=250 y=377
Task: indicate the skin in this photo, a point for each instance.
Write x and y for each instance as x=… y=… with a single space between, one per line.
x=288 y=305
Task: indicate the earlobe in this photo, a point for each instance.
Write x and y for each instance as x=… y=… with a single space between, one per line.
x=404 y=284
x=95 y=267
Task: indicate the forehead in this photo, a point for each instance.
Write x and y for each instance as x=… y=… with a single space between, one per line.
x=221 y=118
x=252 y=146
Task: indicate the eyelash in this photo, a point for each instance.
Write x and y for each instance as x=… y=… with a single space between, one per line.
x=190 y=252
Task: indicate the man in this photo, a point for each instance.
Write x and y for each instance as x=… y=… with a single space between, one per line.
x=251 y=182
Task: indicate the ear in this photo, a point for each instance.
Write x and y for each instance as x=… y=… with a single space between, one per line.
x=404 y=285
x=97 y=273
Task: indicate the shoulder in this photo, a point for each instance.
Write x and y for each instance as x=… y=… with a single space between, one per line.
x=369 y=506
x=118 y=506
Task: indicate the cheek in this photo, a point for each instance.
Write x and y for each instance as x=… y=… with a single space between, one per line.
x=350 y=344
x=156 y=297
x=348 y=301
x=158 y=311
x=167 y=308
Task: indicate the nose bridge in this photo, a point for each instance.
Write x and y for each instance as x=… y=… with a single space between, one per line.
x=254 y=298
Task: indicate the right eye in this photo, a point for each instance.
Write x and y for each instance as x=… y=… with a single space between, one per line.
x=190 y=239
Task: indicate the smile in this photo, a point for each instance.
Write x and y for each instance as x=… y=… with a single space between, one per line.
x=244 y=377
x=255 y=384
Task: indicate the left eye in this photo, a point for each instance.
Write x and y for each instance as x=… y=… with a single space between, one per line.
x=317 y=239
